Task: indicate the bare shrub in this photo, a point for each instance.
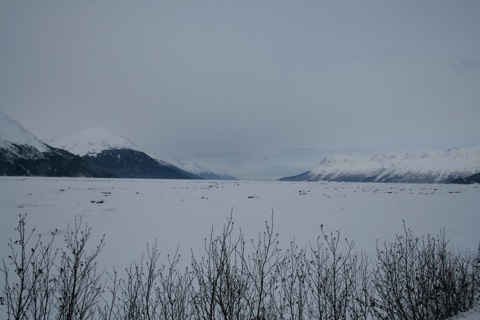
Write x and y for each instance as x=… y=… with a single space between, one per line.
x=79 y=284
x=262 y=276
x=421 y=278
x=221 y=282
x=173 y=291
x=31 y=292
x=361 y=307
x=149 y=291
x=410 y=278
x=108 y=309
x=137 y=298
x=332 y=276
x=290 y=293
x=45 y=288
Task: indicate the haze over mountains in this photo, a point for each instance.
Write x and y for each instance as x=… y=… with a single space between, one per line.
x=94 y=152
x=98 y=152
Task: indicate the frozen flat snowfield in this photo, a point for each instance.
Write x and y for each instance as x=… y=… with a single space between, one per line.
x=182 y=213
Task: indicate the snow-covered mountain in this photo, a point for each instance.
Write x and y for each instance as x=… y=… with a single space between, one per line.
x=475 y=178
x=114 y=156
x=95 y=152
x=23 y=154
x=14 y=137
x=427 y=166
x=195 y=169
x=93 y=141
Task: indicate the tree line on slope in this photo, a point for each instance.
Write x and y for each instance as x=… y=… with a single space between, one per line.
x=408 y=278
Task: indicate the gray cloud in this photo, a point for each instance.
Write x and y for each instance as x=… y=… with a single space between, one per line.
x=244 y=85
x=463 y=65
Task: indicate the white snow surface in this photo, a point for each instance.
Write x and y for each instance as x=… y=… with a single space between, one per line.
x=12 y=132
x=438 y=163
x=473 y=314
x=93 y=141
x=181 y=213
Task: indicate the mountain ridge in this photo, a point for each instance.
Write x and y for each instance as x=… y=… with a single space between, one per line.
x=97 y=152
x=23 y=154
x=13 y=134
x=93 y=141
x=425 y=166
x=119 y=156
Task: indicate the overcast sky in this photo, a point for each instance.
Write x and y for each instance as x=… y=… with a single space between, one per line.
x=260 y=89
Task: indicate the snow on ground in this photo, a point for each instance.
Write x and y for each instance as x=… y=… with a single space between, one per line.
x=473 y=314
x=182 y=212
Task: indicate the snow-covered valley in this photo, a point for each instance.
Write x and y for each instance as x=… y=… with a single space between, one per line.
x=182 y=213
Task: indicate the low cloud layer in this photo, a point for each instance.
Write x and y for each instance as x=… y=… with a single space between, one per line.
x=260 y=89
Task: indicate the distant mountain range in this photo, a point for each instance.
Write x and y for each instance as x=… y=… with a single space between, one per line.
x=427 y=166
x=95 y=152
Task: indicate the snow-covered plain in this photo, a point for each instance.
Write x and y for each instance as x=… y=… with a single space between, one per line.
x=182 y=213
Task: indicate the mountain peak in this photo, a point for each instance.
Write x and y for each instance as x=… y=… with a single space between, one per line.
x=13 y=133
x=92 y=141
